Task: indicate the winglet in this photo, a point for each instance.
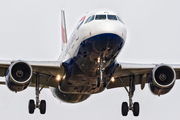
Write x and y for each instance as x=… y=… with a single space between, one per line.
x=63 y=30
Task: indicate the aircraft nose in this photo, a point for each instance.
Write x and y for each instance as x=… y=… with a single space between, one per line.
x=107 y=41
x=110 y=27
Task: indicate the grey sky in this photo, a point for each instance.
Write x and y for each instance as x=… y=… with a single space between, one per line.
x=30 y=30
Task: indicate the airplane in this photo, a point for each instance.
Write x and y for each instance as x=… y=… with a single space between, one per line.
x=87 y=65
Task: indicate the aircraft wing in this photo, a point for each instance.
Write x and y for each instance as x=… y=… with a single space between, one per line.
x=141 y=73
x=47 y=70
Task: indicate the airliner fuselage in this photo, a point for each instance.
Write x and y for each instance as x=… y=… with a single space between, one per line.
x=91 y=52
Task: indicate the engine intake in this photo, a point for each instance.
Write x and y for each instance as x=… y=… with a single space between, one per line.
x=18 y=76
x=162 y=79
x=164 y=76
x=21 y=72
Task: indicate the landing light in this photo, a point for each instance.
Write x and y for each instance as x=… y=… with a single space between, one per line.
x=98 y=59
x=64 y=76
x=58 y=77
x=112 y=79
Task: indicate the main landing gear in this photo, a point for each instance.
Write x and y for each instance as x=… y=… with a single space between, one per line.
x=132 y=106
x=100 y=61
x=39 y=104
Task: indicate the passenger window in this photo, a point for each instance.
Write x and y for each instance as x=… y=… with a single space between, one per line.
x=100 y=17
x=119 y=19
x=112 y=17
x=87 y=19
x=92 y=18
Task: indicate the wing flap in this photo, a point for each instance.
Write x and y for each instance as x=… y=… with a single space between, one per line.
x=3 y=71
x=43 y=80
x=139 y=79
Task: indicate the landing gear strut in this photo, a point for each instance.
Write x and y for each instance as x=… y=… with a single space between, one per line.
x=132 y=106
x=39 y=104
x=101 y=62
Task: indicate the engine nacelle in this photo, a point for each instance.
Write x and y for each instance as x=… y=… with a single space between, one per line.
x=69 y=98
x=162 y=79
x=18 y=76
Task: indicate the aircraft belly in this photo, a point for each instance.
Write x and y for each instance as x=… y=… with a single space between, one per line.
x=82 y=70
x=90 y=49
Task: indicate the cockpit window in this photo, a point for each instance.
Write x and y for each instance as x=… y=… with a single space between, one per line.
x=100 y=17
x=119 y=19
x=103 y=17
x=92 y=18
x=88 y=19
x=112 y=17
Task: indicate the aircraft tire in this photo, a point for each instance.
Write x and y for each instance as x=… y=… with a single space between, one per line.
x=98 y=82
x=43 y=107
x=124 y=108
x=104 y=82
x=136 y=109
x=31 y=106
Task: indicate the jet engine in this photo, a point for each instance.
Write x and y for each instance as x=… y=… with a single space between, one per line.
x=18 y=76
x=69 y=98
x=162 y=79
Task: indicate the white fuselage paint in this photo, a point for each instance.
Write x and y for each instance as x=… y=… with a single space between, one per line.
x=84 y=31
x=95 y=27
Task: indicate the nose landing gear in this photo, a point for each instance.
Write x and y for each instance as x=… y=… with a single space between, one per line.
x=99 y=81
x=101 y=62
